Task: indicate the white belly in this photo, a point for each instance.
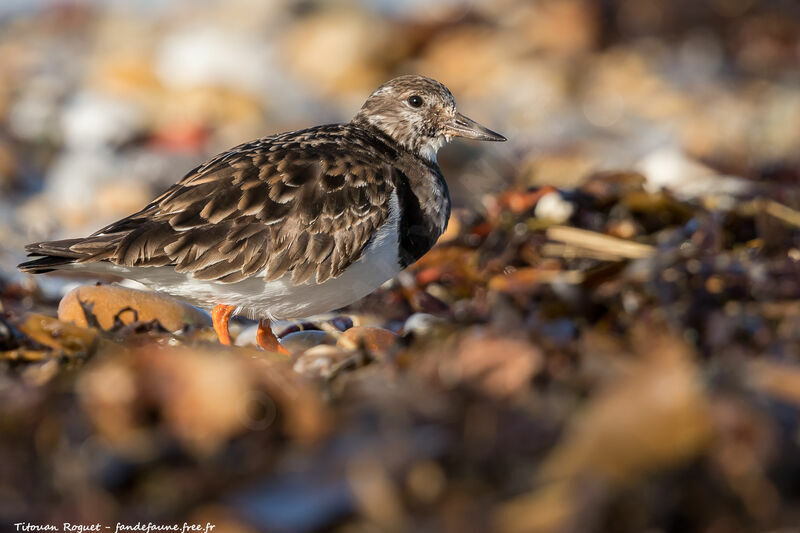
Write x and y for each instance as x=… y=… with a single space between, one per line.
x=279 y=299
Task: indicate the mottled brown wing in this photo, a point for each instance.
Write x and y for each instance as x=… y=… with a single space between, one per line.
x=282 y=205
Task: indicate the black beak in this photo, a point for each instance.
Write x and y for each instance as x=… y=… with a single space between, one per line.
x=462 y=126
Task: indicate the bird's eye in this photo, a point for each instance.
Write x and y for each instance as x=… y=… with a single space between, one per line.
x=415 y=100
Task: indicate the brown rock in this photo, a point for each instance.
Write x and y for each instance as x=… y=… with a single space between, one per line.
x=106 y=302
x=372 y=338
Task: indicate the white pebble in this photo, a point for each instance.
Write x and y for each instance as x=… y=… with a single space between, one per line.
x=553 y=207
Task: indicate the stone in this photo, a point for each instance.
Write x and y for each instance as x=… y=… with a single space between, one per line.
x=106 y=302
x=372 y=338
x=300 y=341
x=322 y=361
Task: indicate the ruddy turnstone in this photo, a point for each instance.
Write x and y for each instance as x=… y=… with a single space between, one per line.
x=294 y=224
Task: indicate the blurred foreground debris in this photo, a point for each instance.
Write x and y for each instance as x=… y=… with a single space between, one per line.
x=524 y=376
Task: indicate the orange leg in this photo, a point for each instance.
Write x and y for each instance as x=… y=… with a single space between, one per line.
x=267 y=340
x=220 y=316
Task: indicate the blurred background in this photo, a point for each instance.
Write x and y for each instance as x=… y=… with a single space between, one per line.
x=543 y=380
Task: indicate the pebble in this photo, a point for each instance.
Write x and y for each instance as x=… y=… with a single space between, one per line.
x=372 y=338
x=300 y=341
x=107 y=301
x=421 y=323
x=554 y=208
x=320 y=361
x=243 y=336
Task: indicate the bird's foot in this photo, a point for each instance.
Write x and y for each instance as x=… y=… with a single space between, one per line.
x=267 y=340
x=220 y=316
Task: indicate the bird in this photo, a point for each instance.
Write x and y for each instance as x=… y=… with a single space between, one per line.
x=293 y=224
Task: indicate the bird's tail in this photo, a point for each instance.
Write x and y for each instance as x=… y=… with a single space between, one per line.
x=54 y=255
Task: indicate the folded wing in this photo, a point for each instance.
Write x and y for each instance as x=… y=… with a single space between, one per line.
x=293 y=204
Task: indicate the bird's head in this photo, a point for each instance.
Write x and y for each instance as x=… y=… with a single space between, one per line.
x=420 y=114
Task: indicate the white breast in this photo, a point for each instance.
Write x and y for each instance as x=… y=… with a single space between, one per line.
x=281 y=299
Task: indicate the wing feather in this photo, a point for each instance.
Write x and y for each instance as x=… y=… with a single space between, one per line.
x=304 y=203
